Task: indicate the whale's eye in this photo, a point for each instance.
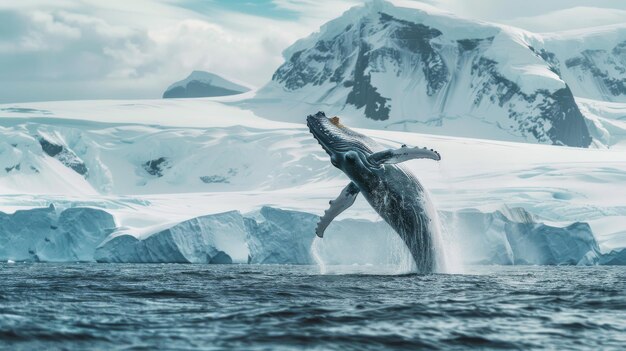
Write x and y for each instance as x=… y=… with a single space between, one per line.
x=351 y=156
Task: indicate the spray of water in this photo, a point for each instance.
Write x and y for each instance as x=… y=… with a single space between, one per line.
x=316 y=249
x=439 y=243
x=390 y=255
x=400 y=258
x=449 y=230
x=397 y=258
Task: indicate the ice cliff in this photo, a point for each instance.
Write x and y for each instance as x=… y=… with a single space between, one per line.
x=280 y=236
x=218 y=238
x=52 y=235
x=513 y=236
x=277 y=236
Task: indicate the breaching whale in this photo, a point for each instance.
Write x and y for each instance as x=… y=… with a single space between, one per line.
x=390 y=188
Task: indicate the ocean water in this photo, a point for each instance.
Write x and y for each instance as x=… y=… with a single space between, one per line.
x=248 y=307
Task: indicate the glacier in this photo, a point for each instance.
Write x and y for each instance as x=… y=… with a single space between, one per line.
x=279 y=166
x=158 y=179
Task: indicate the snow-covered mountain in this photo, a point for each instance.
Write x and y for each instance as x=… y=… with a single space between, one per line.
x=203 y=84
x=382 y=66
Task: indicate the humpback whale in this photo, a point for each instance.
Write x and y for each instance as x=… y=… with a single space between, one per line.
x=390 y=188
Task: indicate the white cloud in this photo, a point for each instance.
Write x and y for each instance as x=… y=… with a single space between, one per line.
x=195 y=44
x=317 y=9
x=507 y=12
x=62 y=49
x=569 y=19
x=39 y=32
x=107 y=42
x=61 y=45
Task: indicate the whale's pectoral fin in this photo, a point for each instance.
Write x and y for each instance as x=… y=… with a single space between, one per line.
x=403 y=154
x=340 y=204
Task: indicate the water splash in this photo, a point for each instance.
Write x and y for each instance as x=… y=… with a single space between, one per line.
x=449 y=230
x=392 y=256
x=449 y=243
x=441 y=242
x=399 y=256
x=316 y=249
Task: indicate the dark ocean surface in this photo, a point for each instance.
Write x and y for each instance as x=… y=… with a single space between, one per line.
x=248 y=307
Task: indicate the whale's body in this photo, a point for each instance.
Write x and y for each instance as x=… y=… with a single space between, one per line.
x=390 y=188
x=400 y=200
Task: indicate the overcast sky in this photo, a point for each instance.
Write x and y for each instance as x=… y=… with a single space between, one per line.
x=93 y=49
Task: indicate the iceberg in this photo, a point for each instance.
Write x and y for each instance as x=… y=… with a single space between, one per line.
x=614 y=258
x=281 y=237
x=278 y=236
x=218 y=238
x=269 y=236
x=513 y=236
x=541 y=244
x=51 y=235
x=481 y=235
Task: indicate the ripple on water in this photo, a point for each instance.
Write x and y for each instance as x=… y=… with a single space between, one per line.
x=105 y=306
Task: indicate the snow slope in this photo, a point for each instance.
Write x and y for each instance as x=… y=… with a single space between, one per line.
x=606 y=122
x=592 y=61
x=219 y=158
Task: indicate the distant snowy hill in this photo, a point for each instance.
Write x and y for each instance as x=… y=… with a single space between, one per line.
x=203 y=84
x=386 y=67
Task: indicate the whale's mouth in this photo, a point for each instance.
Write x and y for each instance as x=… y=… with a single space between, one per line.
x=327 y=131
x=335 y=137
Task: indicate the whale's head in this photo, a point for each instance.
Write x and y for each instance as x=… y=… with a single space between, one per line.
x=348 y=150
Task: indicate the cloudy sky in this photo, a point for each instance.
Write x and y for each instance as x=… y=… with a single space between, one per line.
x=93 y=49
